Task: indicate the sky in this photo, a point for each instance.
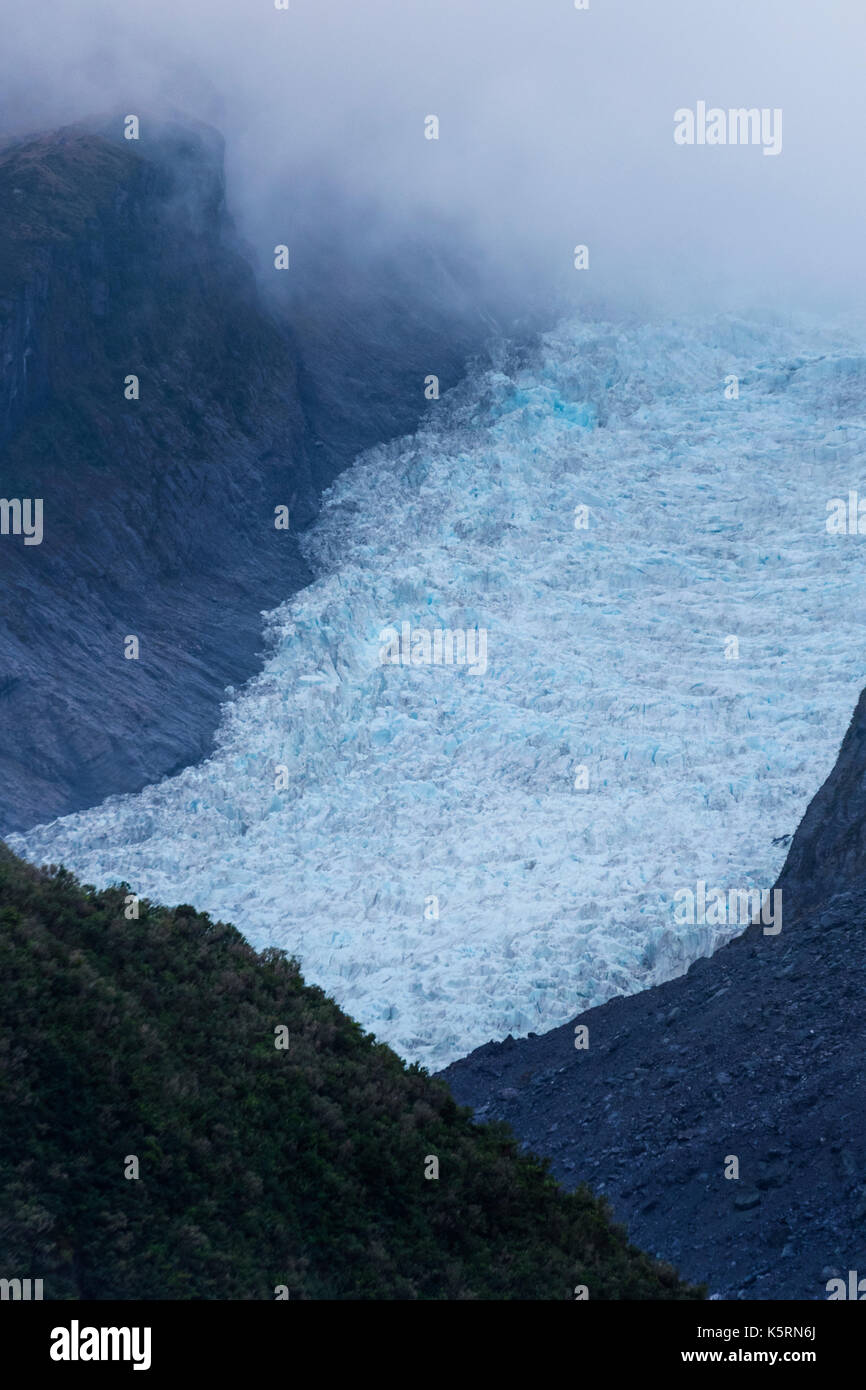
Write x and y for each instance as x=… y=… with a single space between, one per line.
x=556 y=129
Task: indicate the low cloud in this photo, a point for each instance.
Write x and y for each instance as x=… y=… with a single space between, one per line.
x=556 y=128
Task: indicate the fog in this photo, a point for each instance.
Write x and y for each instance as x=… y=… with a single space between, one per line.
x=556 y=128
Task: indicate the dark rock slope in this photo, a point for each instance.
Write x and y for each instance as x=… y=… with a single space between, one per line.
x=158 y=513
x=828 y=852
x=117 y=258
x=756 y=1053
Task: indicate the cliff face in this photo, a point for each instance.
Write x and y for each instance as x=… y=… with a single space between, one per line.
x=828 y=853
x=158 y=512
x=755 y=1054
x=118 y=258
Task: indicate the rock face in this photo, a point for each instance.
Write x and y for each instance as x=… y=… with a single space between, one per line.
x=118 y=258
x=158 y=512
x=754 y=1054
x=828 y=852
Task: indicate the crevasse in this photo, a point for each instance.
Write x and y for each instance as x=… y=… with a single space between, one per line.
x=606 y=650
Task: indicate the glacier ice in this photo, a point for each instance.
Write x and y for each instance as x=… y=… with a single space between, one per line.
x=417 y=789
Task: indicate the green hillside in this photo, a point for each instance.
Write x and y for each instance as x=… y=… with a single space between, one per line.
x=258 y=1166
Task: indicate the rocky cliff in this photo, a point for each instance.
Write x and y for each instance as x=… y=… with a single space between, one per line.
x=828 y=853
x=158 y=511
x=118 y=259
x=755 y=1055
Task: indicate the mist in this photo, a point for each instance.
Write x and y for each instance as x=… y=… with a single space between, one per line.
x=556 y=129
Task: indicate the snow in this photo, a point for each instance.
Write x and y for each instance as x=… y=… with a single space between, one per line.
x=606 y=649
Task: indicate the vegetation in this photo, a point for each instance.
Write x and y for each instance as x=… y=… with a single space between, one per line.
x=258 y=1166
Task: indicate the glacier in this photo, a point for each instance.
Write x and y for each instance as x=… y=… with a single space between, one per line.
x=432 y=856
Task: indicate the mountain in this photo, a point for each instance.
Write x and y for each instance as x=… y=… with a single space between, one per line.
x=754 y=1053
x=119 y=258
x=155 y=1039
x=158 y=512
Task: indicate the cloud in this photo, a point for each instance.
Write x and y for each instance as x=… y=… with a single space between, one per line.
x=555 y=128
